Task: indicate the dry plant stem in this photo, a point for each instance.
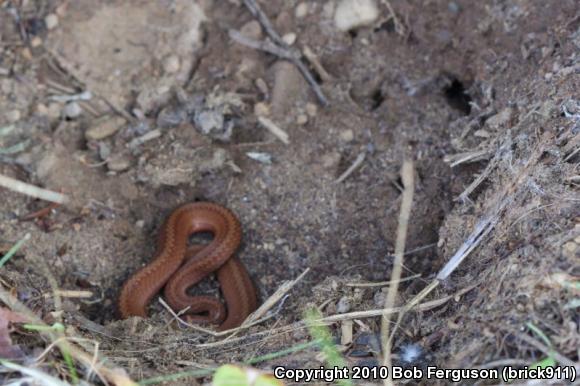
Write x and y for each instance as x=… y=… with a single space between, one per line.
x=283 y=50
x=383 y=283
x=357 y=162
x=275 y=298
x=274 y=129
x=115 y=376
x=488 y=222
x=407 y=176
x=31 y=190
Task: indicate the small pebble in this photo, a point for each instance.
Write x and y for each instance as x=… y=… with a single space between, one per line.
x=41 y=109
x=104 y=128
x=351 y=14
x=54 y=110
x=311 y=109
x=51 y=21
x=302 y=119
x=13 y=116
x=252 y=30
x=301 y=10
x=140 y=223
x=289 y=38
x=453 y=7
x=118 y=164
x=104 y=150
x=261 y=109
x=72 y=110
x=264 y=158
x=36 y=42
x=346 y=135
x=171 y=64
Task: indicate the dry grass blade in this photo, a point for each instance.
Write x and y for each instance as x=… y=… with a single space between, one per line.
x=31 y=190
x=407 y=176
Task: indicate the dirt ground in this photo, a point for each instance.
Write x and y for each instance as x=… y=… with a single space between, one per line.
x=132 y=108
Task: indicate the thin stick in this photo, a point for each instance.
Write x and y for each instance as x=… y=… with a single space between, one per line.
x=274 y=129
x=357 y=162
x=383 y=283
x=31 y=190
x=276 y=296
x=394 y=310
x=283 y=50
x=407 y=176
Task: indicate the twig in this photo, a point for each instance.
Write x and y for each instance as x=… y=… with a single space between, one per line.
x=471 y=156
x=275 y=298
x=399 y=28
x=31 y=190
x=282 y=49
x=381 y=311
x=150 y=135
x=383 y=283
x=274 y=129
x=177 y=316
x=357 y=162
x=407 y=176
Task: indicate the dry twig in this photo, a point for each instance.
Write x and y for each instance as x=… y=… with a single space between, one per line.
x=277 y=47
x=407 y=176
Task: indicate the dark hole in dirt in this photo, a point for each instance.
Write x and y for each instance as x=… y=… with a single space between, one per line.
x=388 y=26
x=353 y=34
x=34 y=26
x=457 y=96
x=377 y=98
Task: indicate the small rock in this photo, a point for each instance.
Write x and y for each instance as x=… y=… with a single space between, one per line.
x=72 y=110
x=330 y=160
x=261 y=109
x=54 y=110
x=500 y=119
x=301 y=10
x=171 y=64
x=262 y=86
x=36 y=42
x=13 y=116
x=346 y=135
x=351 y=14
x=118 y=163
x=51 y=21
x=140 y=223
x=104 y=128
x=453 y=7
x=289 y=38
x=302 y=119
x=252 y=30
x=482 y=133
x=41 y=109
x=289 y=88
x=343 y=305
x=104 y=150
x=265 y=158
x=311 y=109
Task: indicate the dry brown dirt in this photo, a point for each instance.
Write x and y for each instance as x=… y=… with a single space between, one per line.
x=172 y=116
